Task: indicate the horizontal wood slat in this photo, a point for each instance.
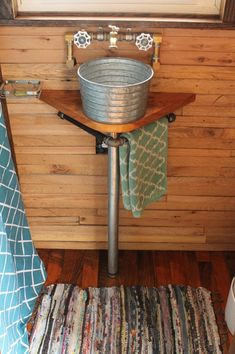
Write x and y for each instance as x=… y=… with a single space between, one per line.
x=49 y=72
x=90 y=184
x=90 y=201
x=52 y=140
x=136 y=246
x=127 y=234
x=209 y=44
x=56 y=56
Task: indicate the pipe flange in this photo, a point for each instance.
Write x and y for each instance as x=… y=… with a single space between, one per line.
x=144 y=41
x=82 y=39
x=114 y=142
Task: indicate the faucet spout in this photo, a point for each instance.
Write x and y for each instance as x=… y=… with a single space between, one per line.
x=113 y=36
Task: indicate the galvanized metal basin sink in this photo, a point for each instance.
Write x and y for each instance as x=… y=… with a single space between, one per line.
x=114 y=90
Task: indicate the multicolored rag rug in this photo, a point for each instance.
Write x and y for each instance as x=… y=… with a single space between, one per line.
x=117 y=320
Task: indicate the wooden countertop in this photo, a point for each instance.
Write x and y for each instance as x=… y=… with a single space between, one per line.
x=159 y=105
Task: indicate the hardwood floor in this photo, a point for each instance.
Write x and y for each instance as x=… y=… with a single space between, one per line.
x=212 y=270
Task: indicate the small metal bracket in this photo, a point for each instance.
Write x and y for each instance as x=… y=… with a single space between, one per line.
x=103 y=141
x=101 y=146
x=115 y=142
x=20 y=88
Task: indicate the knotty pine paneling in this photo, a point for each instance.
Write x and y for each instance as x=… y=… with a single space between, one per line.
x=64 y=183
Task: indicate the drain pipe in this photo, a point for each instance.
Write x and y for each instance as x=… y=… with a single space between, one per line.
x=113 y=142
x=113 y=207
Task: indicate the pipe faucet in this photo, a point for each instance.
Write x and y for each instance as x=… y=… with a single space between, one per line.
x=113 y=36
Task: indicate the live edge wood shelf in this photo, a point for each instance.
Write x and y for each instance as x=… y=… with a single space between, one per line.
x=159 y=105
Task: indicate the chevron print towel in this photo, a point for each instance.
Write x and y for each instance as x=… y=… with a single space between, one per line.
x=143 y=163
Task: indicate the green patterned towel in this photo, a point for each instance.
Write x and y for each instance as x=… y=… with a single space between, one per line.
x=143 y=164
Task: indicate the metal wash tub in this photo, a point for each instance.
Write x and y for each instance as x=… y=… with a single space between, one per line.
x=114 y=90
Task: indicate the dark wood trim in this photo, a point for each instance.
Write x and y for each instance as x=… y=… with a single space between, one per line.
x=121 y=15
x=229 y=12
x=8 y=126
x=6 y=9
x=135 y=22
x=7 y=18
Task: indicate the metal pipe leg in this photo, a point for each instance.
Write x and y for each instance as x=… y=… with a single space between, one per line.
x=113 y=207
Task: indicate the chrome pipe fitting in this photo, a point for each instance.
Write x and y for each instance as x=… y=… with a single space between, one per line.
x=114 y=142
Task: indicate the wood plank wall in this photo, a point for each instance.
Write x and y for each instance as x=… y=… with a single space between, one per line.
x=64 y=183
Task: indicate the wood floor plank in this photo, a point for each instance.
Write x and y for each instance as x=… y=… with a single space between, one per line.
x=145 y=263
x=90 y=269
x=221 y=275
x=177 y=267
x=72 y=267
x=191 y=269
x=55 y=266
x=44 y=255
x=128 y=261
x=162 y=268
x=230 y=257
x=205 y=271
x=202 y=256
